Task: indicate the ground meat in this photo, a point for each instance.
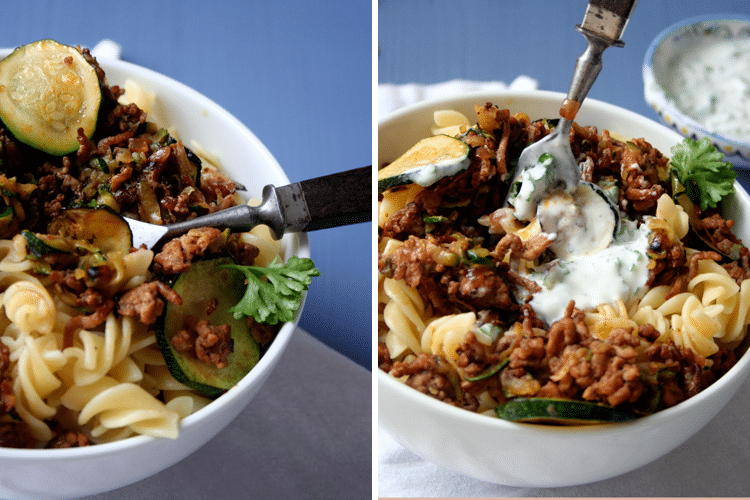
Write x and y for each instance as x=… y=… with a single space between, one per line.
x=177 y=254
x=88 y=322
x=718 y=231
x=484 y=288
x=263 y=333
x=474 y=357
x=243 y=253
x=385 y=362
x=405 y=221
x=69 y=439
x=16 y=435
x=209 y=343
x=144 y=301
x=429 y=375
x=410 y=262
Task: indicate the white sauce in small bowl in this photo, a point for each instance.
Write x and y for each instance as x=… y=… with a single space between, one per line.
x=710 y=83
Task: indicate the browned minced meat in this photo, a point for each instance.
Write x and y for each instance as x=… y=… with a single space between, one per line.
x=209 y=343
x=668 y=257
x=144 y=301
x=16 y=435
x=407 y=220
x=69 y=439
x=7 y=397
x=626 y=369
x=718 y=232
x=176 y=255
x=243 y=253
x=415 y=263
x=428 y=374
x=385 y=362
x=740 y=271
x=263 y=333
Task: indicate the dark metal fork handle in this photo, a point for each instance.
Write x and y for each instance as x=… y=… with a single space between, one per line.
x=603 y=26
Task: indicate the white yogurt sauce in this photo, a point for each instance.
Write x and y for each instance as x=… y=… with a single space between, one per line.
x=535 y=181
x=711 y=84
x=619 y=271
x=427 y=175
x=593 y=266
x=582 y=222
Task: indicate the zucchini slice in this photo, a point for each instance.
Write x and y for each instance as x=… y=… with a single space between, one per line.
x=100 y=227
x=47 y=92
x=426 y=162
x=489 y=371
x=208 y=291
x=698 y=239
x=560 y=412
x=39 y=245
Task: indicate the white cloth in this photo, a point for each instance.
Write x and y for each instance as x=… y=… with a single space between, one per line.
x=392 y=97
x=107 y=49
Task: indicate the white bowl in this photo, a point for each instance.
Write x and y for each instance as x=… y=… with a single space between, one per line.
x=75 y=472
x=658 y=71
x=526 y=455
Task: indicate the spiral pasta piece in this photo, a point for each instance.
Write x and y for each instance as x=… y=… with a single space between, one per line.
x=444 y=335
x=35 y=379
x=30 y=306
x=403 y=314
x=131 y=269
x=95 y=355
x=13 y=255
x=118 y=405
x=674 y=215
x=606 y=318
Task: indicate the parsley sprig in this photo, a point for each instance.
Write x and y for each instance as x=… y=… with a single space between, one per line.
x=700 y=168
x=278 y=296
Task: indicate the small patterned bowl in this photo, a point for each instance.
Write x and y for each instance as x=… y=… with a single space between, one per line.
x=658 y=72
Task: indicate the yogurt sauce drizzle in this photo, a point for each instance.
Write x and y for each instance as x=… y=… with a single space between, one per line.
x=711 y=84
x=619 y=271
x=593 y=265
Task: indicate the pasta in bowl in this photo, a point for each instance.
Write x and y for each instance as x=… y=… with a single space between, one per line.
x=502 y=348
x=98 y=370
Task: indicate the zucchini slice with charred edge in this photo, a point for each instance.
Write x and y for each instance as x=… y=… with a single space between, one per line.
x=208 y=291
x=47 y=92
x=560 y=411
x=426 y=162
x=100 y=227
x=39 y=245
x=489 y=371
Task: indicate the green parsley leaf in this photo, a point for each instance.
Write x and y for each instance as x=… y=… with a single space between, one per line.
x=700 y=168
x=278 y=296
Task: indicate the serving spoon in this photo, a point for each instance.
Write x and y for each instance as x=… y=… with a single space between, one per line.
x=330 y=201
x=603 y=25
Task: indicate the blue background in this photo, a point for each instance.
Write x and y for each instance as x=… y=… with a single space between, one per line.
x=298 y=74
x=422 y=41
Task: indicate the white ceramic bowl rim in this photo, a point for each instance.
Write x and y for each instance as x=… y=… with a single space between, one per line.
x=265 y=363
x=653 y=420
x=648 y=72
